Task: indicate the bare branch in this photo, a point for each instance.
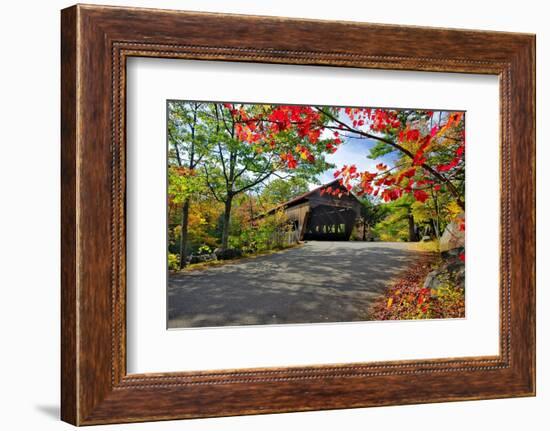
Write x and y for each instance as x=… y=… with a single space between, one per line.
x=254 y=183
x=210 y=186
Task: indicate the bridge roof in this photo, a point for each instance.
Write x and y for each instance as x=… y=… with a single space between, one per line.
x=313 y=193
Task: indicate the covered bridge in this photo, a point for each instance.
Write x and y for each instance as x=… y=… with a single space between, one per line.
x=318 y=215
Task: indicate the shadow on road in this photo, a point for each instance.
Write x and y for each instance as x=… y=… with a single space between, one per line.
x=319 y=282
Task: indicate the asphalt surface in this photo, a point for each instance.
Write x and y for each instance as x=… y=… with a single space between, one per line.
x=313 y=283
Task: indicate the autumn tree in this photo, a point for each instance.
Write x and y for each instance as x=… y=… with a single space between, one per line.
x=250 y=144
x=235 y=149
x=428 y=152
x=187 y=139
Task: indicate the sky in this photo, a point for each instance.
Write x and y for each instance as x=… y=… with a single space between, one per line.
x=352 y=151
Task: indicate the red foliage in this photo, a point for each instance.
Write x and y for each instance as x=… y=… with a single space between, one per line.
x=407 y=299
x=420 y=195
x=391 y=184
x=289 y=159
x=262 y=130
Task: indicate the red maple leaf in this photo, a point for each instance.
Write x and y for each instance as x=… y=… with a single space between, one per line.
x=421 y=195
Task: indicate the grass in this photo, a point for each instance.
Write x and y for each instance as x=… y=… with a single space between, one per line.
x=429 y=246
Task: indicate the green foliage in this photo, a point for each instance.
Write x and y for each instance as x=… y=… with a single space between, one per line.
x=394 y=222
x=393 y=228
x=173 y=262
x=380 y=149
x=267 y=233
x=371 y=211
x=183 y=184
x=187 y=136
x=242 y=151
x=433 y=215
x=204 y=249
x=281 y=190
x=233 y=165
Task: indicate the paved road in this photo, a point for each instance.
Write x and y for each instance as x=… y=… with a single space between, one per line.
x=317 y=282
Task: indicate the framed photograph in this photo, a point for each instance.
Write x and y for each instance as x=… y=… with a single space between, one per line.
x=264 y=215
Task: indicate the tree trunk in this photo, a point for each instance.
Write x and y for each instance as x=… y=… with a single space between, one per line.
x=184 y=232
x=436 y=222
x=226 y=220
x=364 y=229
x=412 y=233
x=435 y=227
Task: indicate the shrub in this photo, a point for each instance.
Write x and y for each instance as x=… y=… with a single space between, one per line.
x=173 y=261
x=204 y=249
x=263 y=234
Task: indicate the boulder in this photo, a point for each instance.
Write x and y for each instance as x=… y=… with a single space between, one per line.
x=451 y=271
x=199 y=258
x=228 y=253
x=453 y=237
x=432 y=282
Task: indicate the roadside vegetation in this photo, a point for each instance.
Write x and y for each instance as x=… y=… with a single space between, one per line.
x=409 y=298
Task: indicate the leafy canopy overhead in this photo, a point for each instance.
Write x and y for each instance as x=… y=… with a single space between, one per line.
x=428 y=151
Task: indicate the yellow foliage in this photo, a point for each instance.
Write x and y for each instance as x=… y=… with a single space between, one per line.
x=430 y=246
x=454 y=210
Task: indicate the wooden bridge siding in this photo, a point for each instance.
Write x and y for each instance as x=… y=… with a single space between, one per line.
x=298 y=213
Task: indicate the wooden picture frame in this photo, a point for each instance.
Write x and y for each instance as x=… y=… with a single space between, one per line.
x=95 y=43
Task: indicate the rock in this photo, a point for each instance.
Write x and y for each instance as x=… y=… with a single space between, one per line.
x=200 y=258
x=228 y=253
x=212 y=256
x=451 y=272
x=453 y=237
x=454 y=252
x=431 y=281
